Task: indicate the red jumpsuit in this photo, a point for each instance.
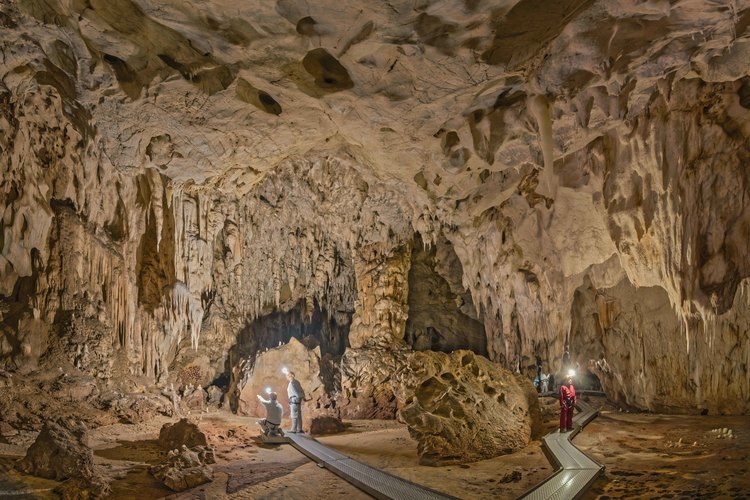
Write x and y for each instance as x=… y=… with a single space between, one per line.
x=567 y=402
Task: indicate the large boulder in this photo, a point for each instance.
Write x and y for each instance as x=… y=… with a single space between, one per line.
x=61 y=452
x=182 y=433
x=460 y=407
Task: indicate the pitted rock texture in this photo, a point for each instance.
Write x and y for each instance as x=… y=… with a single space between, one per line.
x=460 y=407
x=171 y=171
x=367 y=378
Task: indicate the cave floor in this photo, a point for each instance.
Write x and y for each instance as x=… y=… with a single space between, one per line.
x=668 y=456
x=643 y=455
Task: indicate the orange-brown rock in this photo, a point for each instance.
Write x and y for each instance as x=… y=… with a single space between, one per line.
x=182 y=433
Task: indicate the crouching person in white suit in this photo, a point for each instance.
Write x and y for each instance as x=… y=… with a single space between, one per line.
x=271 y=425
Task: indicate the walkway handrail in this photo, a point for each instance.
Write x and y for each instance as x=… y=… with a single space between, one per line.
x=575 y=471
x=373 y=481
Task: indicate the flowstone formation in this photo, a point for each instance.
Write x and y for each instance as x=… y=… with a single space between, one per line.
x=179 y=177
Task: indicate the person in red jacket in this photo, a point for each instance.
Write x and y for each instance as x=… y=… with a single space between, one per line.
x=567 y=402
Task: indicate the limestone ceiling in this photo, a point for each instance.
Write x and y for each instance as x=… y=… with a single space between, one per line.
x=437 y=95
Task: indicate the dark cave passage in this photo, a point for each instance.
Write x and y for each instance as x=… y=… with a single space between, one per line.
x=442 y=316
x=279 y=327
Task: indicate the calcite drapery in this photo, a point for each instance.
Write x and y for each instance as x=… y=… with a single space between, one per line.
x=154 y=203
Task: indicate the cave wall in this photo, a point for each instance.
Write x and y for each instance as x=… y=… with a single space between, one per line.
x=661 y=206
x=633 y=340
x=156 y=269
x=156 y=202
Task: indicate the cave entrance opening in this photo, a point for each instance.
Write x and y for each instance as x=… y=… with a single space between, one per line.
x=319 y=328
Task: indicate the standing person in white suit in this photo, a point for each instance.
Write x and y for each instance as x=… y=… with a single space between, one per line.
x=296 y=396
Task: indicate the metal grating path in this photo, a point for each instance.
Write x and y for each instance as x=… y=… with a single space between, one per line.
x=575 y=470
x=373 y=481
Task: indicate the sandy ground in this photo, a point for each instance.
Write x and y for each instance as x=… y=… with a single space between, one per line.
x=668 y=456
x=387 y=446
x=646 y=456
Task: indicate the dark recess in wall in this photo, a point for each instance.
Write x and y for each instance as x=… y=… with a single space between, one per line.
x=441 y=314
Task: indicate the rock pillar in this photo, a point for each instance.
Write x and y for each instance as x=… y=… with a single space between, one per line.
x=382 y=306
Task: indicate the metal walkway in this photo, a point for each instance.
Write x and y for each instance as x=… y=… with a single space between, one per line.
x=575 y=470
x=375 y=482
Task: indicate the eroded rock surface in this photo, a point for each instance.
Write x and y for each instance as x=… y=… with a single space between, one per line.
x=171 y=172
x=367 y=377
x=462 y=407
x=185 y=468
x=61 y=452
x=459 y=407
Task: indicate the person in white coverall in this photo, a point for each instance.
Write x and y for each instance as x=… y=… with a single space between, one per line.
x=271 y=425
x=296 y=396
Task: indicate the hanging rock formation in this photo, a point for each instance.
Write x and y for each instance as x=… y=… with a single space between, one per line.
x=171 y=173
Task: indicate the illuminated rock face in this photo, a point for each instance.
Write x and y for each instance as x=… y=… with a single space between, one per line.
x=266 y=372
x=173 y=171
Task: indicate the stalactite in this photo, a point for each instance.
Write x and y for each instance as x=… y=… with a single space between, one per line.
x=539 y=108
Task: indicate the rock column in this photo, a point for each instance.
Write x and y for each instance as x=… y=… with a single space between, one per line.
x=381 y=308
